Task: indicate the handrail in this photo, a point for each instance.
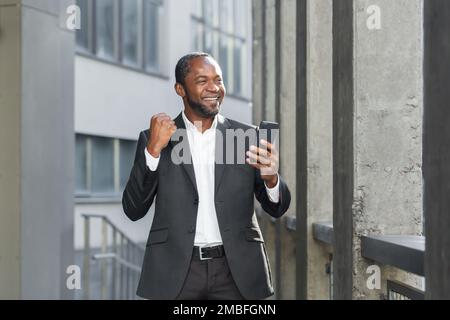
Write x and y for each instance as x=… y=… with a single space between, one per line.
x=113 y=256
x=126 y=254
x=109 y=222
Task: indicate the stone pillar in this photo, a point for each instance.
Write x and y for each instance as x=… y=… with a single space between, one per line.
x=37 y=156
x=319 y=140
x=287 y=97
x=377 y=117
x=258 y=59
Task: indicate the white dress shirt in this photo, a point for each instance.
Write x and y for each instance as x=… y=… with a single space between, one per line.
x=202 y=146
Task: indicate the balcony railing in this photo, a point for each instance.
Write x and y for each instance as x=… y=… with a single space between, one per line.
x=120 y=261
x=403 y=252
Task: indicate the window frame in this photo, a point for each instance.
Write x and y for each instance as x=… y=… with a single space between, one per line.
x=91 y=50
x=88 y=193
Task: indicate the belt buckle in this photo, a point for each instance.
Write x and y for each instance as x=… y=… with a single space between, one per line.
x=201 y=254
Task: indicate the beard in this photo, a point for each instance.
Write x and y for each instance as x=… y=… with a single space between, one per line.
x=201 y=109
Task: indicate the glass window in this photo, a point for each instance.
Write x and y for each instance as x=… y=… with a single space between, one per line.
x=80 y=164
x=226 y=15
x=198 y=8
x=83 y=32
x=238 y=72
x=104 y=17
x=211 y=43
x=102 y=165
x=223 y=35
x=127 y=32
x=211 y=13
x=198 y=33
x=130 y=20
x=240 y=18
x=127 y=154
x=225 y=59
x=151 y=34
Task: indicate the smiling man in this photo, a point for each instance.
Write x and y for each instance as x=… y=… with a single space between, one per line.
x=205 y=242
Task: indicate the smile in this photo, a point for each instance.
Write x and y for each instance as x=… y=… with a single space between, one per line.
x=211 y=99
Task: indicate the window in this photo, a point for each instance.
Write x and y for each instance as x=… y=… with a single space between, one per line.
x=102 y=162
x=104 y=28
x=130 y=33
x=151 y=34
x=220 y=27
x=127 y=154
x=103 y=165
x=82 y=37
x=126 y=32
x=81 y=185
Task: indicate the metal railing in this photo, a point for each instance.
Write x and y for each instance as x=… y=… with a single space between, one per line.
x=400 y=291
x=330 y=273
x=120 y=261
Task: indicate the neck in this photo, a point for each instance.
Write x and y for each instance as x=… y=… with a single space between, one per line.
x=200 y=122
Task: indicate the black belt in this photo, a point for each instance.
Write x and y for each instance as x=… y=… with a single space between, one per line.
x=207 y=253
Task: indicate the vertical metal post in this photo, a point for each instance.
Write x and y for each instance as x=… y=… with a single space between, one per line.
x=122 y=286
x=104 y=270
x=114 y=266
x=133 y=273
x=127 y=271
x=86 y=258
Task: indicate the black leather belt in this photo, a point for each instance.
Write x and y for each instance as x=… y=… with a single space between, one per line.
x=207 y=253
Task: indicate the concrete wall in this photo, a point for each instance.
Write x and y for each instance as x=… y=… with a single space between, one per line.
x=378 y=107
x=40 y=149
x=388 y=126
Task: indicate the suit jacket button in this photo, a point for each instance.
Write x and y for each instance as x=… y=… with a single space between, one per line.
x=191 y=229
x=196 y=201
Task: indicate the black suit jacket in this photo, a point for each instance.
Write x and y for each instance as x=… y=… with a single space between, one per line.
x=171 y=238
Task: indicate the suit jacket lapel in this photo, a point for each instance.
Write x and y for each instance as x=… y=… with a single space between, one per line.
x=220 y=164
x=181 y=136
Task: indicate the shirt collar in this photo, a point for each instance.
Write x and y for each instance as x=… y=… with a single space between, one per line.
x=190 y=126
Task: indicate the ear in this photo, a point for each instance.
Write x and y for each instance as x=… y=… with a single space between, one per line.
x=179 y=89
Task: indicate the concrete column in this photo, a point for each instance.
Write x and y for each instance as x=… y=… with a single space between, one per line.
x=436 y=152
x=37 y=158
x=258 y=78
x=319 y=140
x=377 y=132
x=287 y=59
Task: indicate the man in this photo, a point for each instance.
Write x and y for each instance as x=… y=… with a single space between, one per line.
x=205 y=242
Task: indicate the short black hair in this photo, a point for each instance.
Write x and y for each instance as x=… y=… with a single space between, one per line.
x=184 y=65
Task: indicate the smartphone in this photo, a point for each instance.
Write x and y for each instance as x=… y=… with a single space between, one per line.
x=269 y=131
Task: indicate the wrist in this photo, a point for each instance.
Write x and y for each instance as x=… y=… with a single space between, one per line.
x=271 y=181
x=154 y=151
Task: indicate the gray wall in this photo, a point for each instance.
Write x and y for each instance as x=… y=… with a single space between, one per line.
x=39 y=146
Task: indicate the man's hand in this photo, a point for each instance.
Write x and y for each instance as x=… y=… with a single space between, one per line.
x=161 y=130
x=265 y=159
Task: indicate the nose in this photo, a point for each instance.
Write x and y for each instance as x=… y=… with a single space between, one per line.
x=213 y=87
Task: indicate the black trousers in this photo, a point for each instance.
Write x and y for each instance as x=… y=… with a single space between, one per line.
x=209 y=280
